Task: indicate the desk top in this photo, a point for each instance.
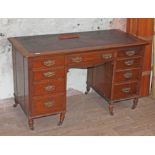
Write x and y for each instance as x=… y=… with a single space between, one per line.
x=72 y=42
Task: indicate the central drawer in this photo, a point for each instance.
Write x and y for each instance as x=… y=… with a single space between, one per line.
x=93 y=58
x=48 y=104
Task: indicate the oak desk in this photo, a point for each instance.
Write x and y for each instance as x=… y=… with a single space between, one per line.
x=40 y=64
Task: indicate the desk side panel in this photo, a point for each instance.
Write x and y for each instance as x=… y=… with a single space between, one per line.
x=14 y=72
x=100 y=79
x=20 y=72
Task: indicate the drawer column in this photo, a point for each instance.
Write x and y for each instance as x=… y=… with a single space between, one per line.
x=127 y=75
x=47 y=86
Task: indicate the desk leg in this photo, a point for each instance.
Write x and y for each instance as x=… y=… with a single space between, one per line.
x=62 y=117
x=111 y=108
x=30 y=122
x=87 y=89
x=135 y=103
x=16 y=102
x=89 y=82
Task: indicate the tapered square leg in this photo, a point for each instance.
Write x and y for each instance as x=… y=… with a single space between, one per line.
x=135 y=103
x=31 y=123
x=111 y=108
x=62 y=117
x=87 y=89
x=16 y=102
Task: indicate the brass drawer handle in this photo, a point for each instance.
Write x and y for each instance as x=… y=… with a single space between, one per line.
x=130 y=53
x=48 y=104
x=50 y=88
x=76 y=59
x=49 y=63
x=128 y=75
x=129 y=62
x=107 y=56
x=126 y=90
x=49 y=74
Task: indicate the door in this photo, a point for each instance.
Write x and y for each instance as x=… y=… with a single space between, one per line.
x=143 y=28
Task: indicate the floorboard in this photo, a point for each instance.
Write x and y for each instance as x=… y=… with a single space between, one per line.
x=87 y=115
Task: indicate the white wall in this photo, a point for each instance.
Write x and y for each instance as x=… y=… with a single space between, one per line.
x=22 y=27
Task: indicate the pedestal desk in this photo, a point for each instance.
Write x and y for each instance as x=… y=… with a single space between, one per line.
x=40 y=64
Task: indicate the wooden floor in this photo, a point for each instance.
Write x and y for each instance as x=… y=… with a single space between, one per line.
x=86 y=115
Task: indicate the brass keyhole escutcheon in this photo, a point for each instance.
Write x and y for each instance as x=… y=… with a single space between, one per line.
x=126 y=90
x=50 y=88
x=76 y=59
x=107 y=56
x=130 y=53
x=129 y=62
x=49 y=74
x=48 y=104
x=49 y=63
x=127 y=75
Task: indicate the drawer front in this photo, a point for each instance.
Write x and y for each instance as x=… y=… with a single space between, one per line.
x=47 y=62
x=125 y=90
x=129 y=52
x=122 y=76
x=48 y=105
x=54 y=73
x=128 y=63
x=54 y=86
x=91 y=57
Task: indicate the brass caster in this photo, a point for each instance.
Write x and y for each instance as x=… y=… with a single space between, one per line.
x=60 y=123
x=15 y=105
x=111 y=109
x=111 y=113
x=31 y=124
x=86 y=92
x=135 y=103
